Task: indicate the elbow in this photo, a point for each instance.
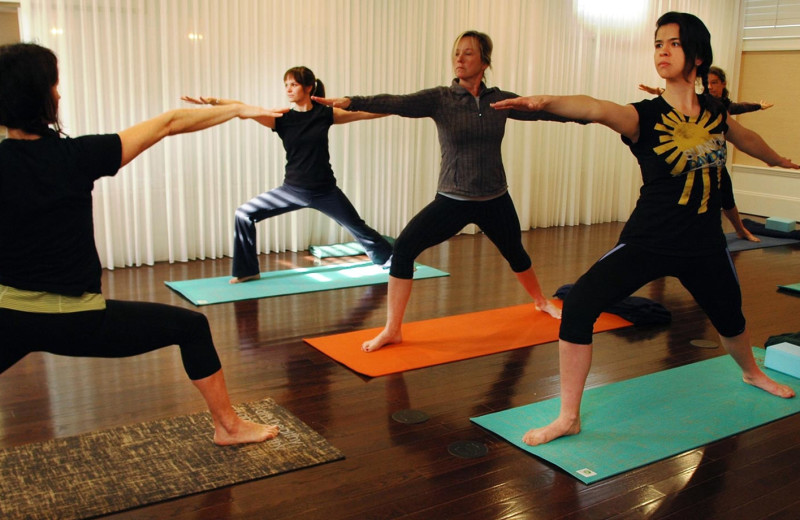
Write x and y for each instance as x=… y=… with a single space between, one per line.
x=171 y=124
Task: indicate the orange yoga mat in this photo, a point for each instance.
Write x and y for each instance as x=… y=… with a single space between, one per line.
x=453 y=338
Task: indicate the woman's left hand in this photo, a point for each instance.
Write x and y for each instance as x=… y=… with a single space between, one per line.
x=786 y=163
x=200 y=100
x=341 y=102
x=530 y=103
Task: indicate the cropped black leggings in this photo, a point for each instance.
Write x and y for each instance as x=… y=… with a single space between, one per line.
x=710 y=279
x=123 y=329
x=444 y=217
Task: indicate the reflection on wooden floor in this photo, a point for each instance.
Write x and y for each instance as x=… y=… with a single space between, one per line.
x=395 y=470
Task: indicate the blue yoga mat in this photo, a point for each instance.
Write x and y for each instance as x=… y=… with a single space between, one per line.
x=636 y=422
x=207 y=291
x=739 y=244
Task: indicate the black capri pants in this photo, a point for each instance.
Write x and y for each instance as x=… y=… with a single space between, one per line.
x=123 y=329
x=710 y=279
x=444 y=217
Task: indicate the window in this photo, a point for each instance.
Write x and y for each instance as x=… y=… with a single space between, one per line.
x=771 y=25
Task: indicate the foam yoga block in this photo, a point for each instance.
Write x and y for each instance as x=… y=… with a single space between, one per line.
x=780 y=224
x=783 y=357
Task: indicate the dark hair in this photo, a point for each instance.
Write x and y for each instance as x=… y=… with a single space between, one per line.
x=718 y=72
x=305 y=77
x=485 y=45
x=28 y=73
x=695 y=41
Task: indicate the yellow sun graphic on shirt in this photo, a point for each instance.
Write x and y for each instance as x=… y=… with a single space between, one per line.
x=690 y=147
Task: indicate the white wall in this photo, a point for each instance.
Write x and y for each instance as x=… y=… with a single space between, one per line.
x=127 y=60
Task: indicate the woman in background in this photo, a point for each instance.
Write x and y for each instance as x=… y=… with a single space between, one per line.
x=717 y=86
x=309 y=180
x=50 y=273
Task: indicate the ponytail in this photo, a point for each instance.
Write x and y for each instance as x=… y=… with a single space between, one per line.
x=319 y=89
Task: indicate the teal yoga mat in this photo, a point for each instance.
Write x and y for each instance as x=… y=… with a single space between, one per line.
x=207 y=291
x=793 y=288
x=340 y=250
x=636 y=422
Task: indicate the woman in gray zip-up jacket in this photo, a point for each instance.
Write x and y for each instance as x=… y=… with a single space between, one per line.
x=472 y=182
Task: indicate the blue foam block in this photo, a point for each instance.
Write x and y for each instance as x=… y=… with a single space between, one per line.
x=780 y=224
x=783 y=357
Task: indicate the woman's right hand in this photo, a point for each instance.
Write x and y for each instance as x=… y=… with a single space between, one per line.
x=655 y=91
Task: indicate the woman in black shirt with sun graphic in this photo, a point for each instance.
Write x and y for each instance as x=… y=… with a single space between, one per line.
x=675 y=229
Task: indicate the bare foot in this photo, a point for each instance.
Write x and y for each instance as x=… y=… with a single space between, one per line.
x=384 y=338
x=763 y=382
x=554 y=430
x=550 y=309
x=243 y=432
x=242 y=279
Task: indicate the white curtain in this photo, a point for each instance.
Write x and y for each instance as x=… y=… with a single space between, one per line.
x=122 y=61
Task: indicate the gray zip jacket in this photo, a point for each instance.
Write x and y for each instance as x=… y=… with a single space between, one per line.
x=470 y=132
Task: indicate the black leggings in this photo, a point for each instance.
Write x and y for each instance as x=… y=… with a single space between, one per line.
x=444 y=217
x=710 y=279
x=123 y=329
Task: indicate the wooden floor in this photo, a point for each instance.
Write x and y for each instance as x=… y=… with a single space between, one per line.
x=393 y=470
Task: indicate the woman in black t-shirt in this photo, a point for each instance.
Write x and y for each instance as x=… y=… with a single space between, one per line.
x=309 y=180
x=50 y=273
x=675 y=229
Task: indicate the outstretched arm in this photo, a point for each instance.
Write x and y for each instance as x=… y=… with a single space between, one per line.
x=743 y=108
x=416 y=105
x=623 y=119
x=142 y=136
x=267 y=121
x=341 y=116
x=754 y=145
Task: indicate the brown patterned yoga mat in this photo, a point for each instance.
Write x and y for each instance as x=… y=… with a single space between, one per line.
x=108 y=471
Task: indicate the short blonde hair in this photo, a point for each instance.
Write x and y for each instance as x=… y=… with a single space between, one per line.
x=485 y=45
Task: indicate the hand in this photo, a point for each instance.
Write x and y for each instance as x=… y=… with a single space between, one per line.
x=252 y=112
x=332 y=102
x=765 y=106
x=528 y=104
x=786 y=163
x=745 y=234
x=201 y=100
x=656 y=91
